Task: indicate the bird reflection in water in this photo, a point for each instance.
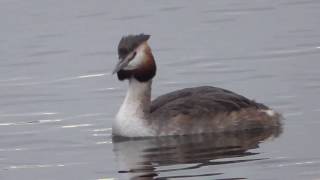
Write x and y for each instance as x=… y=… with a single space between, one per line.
x=143 y=159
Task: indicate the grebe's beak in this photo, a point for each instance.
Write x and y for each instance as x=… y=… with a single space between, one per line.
x=120 y=65
x=123 y=62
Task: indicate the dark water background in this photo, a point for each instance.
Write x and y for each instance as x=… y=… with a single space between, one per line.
x=58 y=98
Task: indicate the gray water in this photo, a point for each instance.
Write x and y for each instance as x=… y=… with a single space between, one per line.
x=58 y=97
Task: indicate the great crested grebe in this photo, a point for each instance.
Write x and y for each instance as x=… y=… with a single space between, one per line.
x=187 y=111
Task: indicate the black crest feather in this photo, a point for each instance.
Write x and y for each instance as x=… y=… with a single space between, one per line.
x=128 y=43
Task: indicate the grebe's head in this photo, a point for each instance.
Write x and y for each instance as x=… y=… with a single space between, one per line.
x=135 y=58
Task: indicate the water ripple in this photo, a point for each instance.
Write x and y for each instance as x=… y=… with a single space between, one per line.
x=41 y=121
x=48 y=53
x=22 y=64
x=167 y=9
x=65 y=79
x=52 y=35
x=275 y=54
x=103 y=142
x=100 y=53
x=125 y=18
x=102 y=130
x=41 y=166
x=98 y=135
x=301 y=2
x=94 y=14
x=301 y=163
x=15 y=79
x=28 y=114
x=12 y=149
x=290 y=114
x=240 y=10
x=222 y=20
x=76 y=125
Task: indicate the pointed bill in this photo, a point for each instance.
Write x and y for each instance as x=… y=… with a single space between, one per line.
x=124 y=62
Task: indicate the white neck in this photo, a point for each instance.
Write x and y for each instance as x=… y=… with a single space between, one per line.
x=131 y=119
x=138 y=97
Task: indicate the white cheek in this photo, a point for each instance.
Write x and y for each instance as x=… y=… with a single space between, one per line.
x=136 y=62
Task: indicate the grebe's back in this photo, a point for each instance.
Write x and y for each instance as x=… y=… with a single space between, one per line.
x=209 y=109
